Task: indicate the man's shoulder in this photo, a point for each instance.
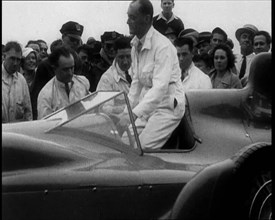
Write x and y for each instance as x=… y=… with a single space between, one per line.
x=82 y=80
x=199 y=73
x=155 y=18
x=47 y=89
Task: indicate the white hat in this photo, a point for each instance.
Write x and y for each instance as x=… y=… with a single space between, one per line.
x=26 y=51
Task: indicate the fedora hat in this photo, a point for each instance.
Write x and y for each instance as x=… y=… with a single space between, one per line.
x=247 y=28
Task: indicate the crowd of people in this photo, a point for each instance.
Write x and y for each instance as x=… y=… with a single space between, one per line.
x=154 y=65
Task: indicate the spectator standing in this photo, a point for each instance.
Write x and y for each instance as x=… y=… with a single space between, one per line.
x=43 y=49
x=65 y=87
x=171 y=35
x=56 y=43
x=83 y=52
x=71 y=37
x=118 y=76
x=16 y=103
x=222 y=76
x=156 y=95
x=107 y=51
x=107 y=55
x=218 y=36
x=261 y=42
x=192 y=77
x=28 y=69
x=167 y=20
x=245 y=37
x=193 y=35
x=203 y=44
x=36 y=47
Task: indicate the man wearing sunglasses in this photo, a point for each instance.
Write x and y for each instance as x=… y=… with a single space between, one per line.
x=107 y=55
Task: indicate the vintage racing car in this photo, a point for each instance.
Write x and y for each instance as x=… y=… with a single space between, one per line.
x=78 y=163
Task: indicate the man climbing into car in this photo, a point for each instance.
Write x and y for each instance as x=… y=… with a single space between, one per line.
x=156 y=95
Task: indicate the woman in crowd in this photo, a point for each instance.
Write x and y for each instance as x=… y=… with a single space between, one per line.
x=28 y=69
x=222 y=76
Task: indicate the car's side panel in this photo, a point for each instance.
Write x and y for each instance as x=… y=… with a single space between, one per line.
x=129 y=202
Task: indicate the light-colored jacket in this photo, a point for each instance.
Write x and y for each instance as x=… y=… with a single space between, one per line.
x=156 y=76
x=196 y=79
x=114 y=80
x=53 y=95
x=16 y=102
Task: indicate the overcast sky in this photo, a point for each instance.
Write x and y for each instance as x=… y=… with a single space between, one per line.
x=31 y=20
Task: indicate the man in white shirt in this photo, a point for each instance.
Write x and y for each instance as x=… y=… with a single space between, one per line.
x=65 y=87
x=118 y=76
x=192 y=77
x=16 y=102
x=156 y=95
x=245 y=37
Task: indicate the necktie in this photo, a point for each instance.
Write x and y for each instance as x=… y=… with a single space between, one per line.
x=67 y=89
x=139 y=46
x=243 y=67
x=128 y=77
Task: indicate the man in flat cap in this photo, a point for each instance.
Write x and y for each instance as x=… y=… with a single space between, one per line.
x=71 y=34
x=203 y=44
x=107 y=55
x=191 y=34
x=108 y=52
x=245 y=37
x=218 y=36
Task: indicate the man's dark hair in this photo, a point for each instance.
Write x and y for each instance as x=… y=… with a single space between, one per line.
x=264 y=33
x=179 y=42
x=146 y=8
x=122 y=43
x=12 y=45
x=55 y=44
x=229 y=53
x=41 y=41
x=57 y=53
x=32 y=42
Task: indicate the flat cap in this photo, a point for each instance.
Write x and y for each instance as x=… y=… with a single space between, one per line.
x=72 y=29
x=220 y=31
x=110 y=36
x=189 y=33
x=247 y=28
x=204 y=36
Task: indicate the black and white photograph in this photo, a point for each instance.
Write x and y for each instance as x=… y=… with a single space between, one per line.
x=137 y=109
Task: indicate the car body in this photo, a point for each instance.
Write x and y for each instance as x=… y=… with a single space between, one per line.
x=78 y=163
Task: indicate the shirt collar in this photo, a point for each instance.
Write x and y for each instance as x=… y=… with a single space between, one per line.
x=161 y=16
x=145 y=40
x=119 y=74
x=62 y=85
x=6 y=75
x=188 y=71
